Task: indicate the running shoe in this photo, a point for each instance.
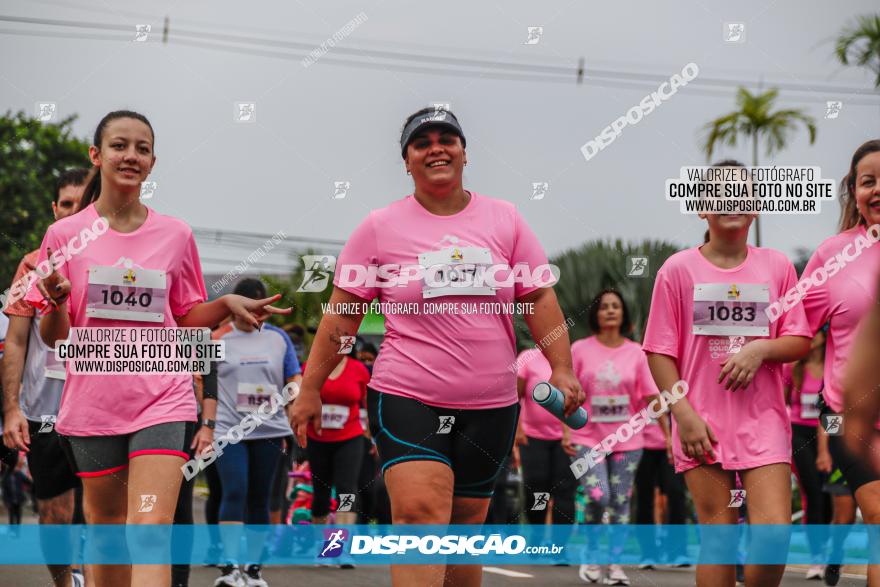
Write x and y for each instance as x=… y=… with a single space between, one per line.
x=590 y=573
x=616 y=576
x=815 y=572
x=832 y=574
x=77 y=579
x=253 y=577
x=230 y=577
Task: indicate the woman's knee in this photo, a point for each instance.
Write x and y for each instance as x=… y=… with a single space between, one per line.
x=418 y=509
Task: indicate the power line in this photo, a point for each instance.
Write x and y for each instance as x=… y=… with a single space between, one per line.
x=220 y=234
x=497 y=69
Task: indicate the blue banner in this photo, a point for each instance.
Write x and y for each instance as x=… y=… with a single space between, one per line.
x=410 y=544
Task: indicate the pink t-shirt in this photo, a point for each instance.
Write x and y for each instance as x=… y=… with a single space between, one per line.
x=843 y=300
x=536 y=421
x=445 y=359
x=102 y=405
x=616 y=382
x=751 y=425
x=653 y=433
x=802 y=406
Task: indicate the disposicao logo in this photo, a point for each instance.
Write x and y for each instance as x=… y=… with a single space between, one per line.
x=334 y=541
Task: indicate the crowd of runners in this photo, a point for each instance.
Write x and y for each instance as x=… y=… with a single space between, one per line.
x=429 y=428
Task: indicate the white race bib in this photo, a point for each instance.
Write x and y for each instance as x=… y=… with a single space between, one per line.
x=809 y=406
x=53 y=368
x=456 y=271
x=609 y=408
x=334 y=417
x=120 y=293
x=731 y=309
x=251 y=395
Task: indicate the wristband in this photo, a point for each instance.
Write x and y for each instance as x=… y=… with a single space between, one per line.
x=208 y=423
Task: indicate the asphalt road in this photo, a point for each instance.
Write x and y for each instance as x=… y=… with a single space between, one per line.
x=526 y=576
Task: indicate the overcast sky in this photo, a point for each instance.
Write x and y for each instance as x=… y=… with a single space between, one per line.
x=340 y=121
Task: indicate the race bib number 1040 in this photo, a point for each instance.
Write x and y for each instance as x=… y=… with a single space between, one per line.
x=118 y=293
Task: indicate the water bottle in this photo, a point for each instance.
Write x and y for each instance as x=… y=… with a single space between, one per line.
x=553 y=400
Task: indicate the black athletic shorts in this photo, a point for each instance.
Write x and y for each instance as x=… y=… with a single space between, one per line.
x=473 y=443
x=855 y=472
x=50 y=468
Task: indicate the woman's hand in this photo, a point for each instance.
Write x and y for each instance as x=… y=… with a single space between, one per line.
x=565 y=381
x=567 y=446
x=824 y=464
x=203 y=439
x=741 y=367
x=306 y=409
x=254 y=312
x=696 y=437
x=55 y=288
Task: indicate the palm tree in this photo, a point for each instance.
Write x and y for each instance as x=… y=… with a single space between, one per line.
x=755 y=119
x=860 y=45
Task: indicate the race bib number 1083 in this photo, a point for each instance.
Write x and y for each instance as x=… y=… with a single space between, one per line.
x=731 y=309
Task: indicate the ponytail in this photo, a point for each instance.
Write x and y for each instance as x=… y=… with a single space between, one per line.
x=92 y=189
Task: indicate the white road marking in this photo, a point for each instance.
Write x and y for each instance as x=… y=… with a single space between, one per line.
x=507 y=572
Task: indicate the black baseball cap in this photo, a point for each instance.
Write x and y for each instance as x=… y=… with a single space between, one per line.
x=437 y=117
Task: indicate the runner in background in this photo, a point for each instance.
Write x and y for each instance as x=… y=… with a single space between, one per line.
x=439 y=470
x=259 y=362
x=656 y=472
x=843 y=300
x=614 y=374
x=547 y=477
x=32 y=383
x=843 y=506
x=335 y=449
x=803 y=383
x=707 y=326
x=128 y=451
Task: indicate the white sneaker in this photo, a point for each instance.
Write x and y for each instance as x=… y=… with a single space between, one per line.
x=253 y=576
x=816 y=572
x=77 y=579
x=231 y=577
x=616 y=576
x=590 y=573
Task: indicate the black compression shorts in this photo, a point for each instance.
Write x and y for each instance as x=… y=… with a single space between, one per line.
x=473 y=443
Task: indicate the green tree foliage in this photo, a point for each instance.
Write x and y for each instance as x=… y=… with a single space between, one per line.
x=860 y=45
x=597 y=265
x=32 y=156
x=307 y=311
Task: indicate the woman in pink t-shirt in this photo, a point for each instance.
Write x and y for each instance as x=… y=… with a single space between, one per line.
x=614 y=375
x=128 y=434
x=843 y=289
x=545 y=466
x=708 y=326
x=448 y=265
